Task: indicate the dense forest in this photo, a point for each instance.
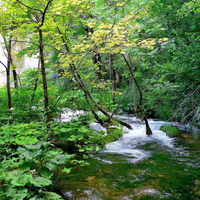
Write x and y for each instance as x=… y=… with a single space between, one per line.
x=101 y=56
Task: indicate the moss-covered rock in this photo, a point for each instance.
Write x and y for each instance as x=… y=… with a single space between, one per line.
x=170 y=130
x=113 y=130
x=113 y=133
x=109 y=122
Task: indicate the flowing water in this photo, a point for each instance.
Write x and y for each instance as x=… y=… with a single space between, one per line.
x=140 y=167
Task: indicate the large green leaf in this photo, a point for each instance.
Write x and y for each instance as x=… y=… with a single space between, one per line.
x=40 y=181
x=21 y=180
x=27 y=165
x=51 y=166
x=52 y=196
x=46 y=173
x=17 y=193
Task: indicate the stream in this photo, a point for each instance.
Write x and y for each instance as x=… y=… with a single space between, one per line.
x=140 y=167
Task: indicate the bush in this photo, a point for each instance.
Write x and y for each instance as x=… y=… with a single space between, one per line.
x=170 y=130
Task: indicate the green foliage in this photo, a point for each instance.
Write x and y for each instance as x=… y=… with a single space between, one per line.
x=75 y=136
x=74 y=99
x=31 y=168
x=113 y=134
x=32 y=165
x=160 y=41
x=170 y=130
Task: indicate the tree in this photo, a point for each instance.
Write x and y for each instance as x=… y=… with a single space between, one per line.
x=35 y=14
x=80 y=30
x=5 y=29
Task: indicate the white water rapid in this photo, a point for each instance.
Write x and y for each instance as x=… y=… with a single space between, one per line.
x=131 y=142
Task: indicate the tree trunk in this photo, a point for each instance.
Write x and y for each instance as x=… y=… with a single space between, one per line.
x=36 y=83
x=9 y=61
x=148 y=129
x=8 y=89
x=15 y=78
x=112 y=76
x=97 y=61
x=46 y=98
x=135 y=101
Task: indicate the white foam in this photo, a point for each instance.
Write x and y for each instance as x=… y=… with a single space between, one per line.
x=130 y=143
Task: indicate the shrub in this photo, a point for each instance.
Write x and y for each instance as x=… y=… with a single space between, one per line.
x=170 y=130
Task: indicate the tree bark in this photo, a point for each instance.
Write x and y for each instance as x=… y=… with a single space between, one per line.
x=135 y=101
x=97 y=61
x=36 y=83
x=46 y=97
x=15 y=78
x=148 y=129
x=9 y=62
x=112 y=76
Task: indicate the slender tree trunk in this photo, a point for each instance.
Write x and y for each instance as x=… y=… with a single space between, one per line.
x=135 y=101
x=15 y=78
x=148 y=129
x=97 y=61
x=9 y=61
x=112 y=75
x=8 y=89
x=46 y=98
x=8 y=46
x=36 y=83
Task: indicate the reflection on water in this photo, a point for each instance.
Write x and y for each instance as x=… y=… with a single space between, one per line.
x=140 y=167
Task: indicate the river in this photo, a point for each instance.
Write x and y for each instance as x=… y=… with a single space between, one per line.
x=140 y=167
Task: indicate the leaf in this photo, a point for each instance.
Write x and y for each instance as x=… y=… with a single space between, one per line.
x=22 y=193
x=40 y=181
x=20 y=149
x=25 y=166
x=21 y=180
x=52 y=196
x=46 y=173
x=27 y=155
x=66 y=170
x=23 y=140
x=64 y=130
x=83 y=129
x=61 y=159
x=33 y=147
x=72 y=138
x=51 y=166
x=18 y=194
x=89 y=148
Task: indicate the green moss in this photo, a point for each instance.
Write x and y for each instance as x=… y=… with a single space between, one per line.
x=170 y=130
x=113 y=134
x=109 y=122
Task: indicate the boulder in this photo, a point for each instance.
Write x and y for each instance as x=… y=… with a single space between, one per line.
x=97 y=126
